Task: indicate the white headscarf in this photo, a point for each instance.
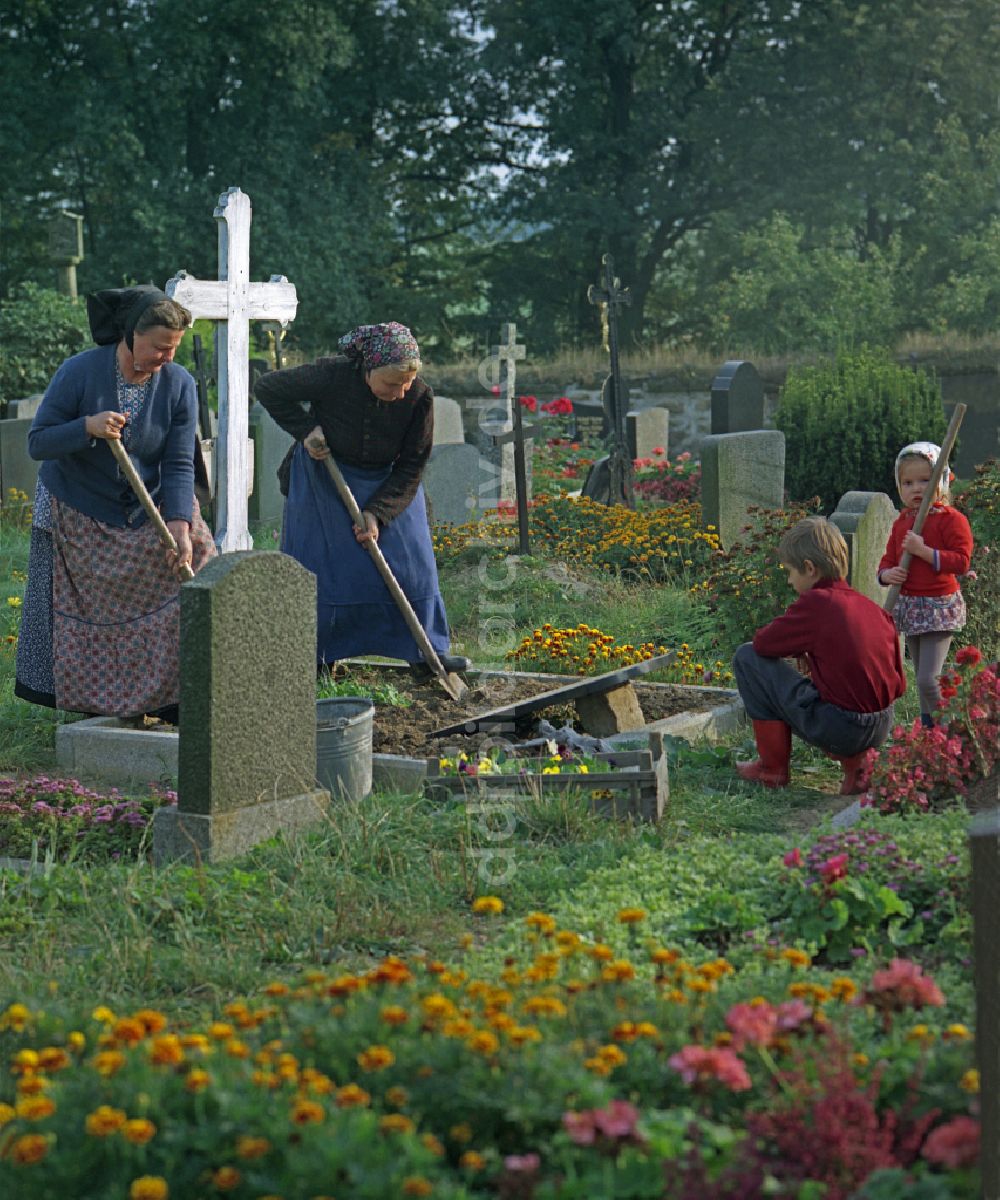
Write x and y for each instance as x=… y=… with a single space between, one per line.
x=932 y=453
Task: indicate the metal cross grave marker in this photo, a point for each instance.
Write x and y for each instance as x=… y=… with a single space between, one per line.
x=508 y=353
x=234 y=301
x=612 y=477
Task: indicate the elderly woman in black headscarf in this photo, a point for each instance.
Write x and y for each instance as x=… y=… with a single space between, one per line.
x=100 y=627
x=373 y=412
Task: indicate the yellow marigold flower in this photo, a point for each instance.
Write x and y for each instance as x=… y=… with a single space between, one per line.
x=53 y=1058
x=614 y=1055
x=396 y=1096
x=28 y=1149
x=675 y=996
x=396 y=1123
x=316 y=1082
x=103 y=1015
x=35 y=1108
x=436 y=1005
x=249 y=1148
x=860 y=1060
x=843 y=988
x=461 y=1133
x=376 y=1058
x=461 y=1027
x=417 y=1185
x=970 y=1081
x=484 y=1042
x=108 y=1062
x=76 y=1040
x=795 y=957
x=7 y=1114
x=393 y=1014
x=166 y=1050
x=307 y=1112
x=647 y=1029
x=276 y=988
x=226 y=1178
x=104 y=1121
x=663 y=957
x=220 y=1031
x=197 y=1080
x=631 y=916
x=540 y=921
x=520 y=1035
x=148 y=1187
x=550 y=1006
x=920 y=1033
x=138 y=1131
x=431 y=1143
x=472 y=1160
x=600 y=952
x=958 y=1033
x=487 y=904
x=352 y=1096
x=25 y=1060
x=466 y=941
x=237 y=1049
x=344 y=985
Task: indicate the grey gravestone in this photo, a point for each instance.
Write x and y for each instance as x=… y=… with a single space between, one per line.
x=270 y=444
x=865 y=518
x=448 y=427
x=737 y=470
x=590 y=420
x=25 y=409
x=648 y=429
x=18 y=470
x=454 y=480
x=737 y=398
x=247 y=756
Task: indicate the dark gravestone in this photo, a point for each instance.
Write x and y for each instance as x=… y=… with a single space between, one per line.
x=984 y=842
x=591 y=421
x=737 y=398
x=247 y=753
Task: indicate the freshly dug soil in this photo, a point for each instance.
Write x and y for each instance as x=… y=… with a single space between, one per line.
x=406 y=731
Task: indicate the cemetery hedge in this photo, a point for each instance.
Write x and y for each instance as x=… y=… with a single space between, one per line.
x=38 y=329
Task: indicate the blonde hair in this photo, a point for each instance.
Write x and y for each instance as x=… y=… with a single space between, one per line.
x=815 y=540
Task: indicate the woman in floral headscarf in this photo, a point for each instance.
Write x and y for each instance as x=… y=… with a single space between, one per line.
x=370 y=409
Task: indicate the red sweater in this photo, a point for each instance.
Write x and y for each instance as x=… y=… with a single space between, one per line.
x=850 y=643
x=945 y=530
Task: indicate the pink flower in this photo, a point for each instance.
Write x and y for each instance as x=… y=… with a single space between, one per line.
x=616 y=1122
x=954 y=1145
x=525 y=1164
x=658 y=450
x=793 y=858
x=791 y=1014
x=697 y=1063
x=903 y=985
x=752 y=1024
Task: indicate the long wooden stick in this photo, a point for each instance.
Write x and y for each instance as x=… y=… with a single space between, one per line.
x=146 y=500
x=451 y=683
x=928 y=498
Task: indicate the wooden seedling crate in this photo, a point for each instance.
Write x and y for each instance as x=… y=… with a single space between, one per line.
x=638 y=786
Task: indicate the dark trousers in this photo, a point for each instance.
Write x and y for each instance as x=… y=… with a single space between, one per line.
x=772 y=690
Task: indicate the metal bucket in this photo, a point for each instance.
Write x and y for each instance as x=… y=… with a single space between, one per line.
x=344 y=746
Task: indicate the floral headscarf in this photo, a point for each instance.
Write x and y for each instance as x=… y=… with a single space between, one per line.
x=387 y=345
x=932 y=453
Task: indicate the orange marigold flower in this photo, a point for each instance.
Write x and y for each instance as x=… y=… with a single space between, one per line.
x=352 y=1096
x=344 y=985
x=484 y=1042
x=487 y=904
x=15 y=1017
x=461 y=1133
x=151 y=1019
x=540 y=921
x=138 y=1131
x=31 y=1085
x=376 y=1058
x=197 y=1080
x=148 y=1187
x=393 y=1014
x=28 y=1149
x=396 y=1123
x=166 y=1050
x=7 y=1114
x=391 y=970
x=618 y=971
x=35 y=1108
x=431 y=1143
x=396 y=1096
x=417 y=1185
x=104 y=1121
x=664 y=957
x=600 y=953
x=53 y=1058
x=220 y=1031
x=249 y=1148
x=128 y=1030
x=276 y=988
x=307 y=1112
x=795 y=957
x=613 y=1055
x=108 y=1062
x=226 y=1178
x=472 y=1160
x=631 y=916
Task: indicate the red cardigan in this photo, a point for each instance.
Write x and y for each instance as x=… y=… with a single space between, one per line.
x=945 y=530
x=851 y=645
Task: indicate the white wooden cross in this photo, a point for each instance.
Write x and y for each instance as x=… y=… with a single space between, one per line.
x=235 y=301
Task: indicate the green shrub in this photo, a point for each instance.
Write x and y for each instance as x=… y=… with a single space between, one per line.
x=844 y=423
x=980 y=501
x=38 y=329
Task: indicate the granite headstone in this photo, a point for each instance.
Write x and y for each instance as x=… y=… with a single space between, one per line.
x=737 y=398
x=739 y=470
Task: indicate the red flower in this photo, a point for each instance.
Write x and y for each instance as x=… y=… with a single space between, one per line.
x=793 y=858
x=954 y=1145
x=529 y=402
x=968 y=656
x=834 y=868
x=659 y=450
x=903 y=985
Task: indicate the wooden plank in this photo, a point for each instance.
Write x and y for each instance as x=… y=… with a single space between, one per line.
x=585 y=686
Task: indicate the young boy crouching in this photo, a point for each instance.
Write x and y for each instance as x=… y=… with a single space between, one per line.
x=848 y=649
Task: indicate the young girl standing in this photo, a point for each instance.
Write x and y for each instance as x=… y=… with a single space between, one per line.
x=930 y=607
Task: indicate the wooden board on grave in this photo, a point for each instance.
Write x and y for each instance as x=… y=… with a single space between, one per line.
x=586 y=686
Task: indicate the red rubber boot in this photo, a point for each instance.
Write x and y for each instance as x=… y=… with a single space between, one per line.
x=774 y=744
x=853 y=771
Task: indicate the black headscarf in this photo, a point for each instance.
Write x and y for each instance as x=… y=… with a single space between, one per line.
x=113 y=313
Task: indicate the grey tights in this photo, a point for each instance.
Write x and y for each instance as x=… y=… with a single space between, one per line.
x=928 y=652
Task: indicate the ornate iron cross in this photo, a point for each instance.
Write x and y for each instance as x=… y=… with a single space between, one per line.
x=611 y=296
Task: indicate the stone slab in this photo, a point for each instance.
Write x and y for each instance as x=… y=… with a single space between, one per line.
x=104 y=748
x=17 y=468
x=194 y=837
x=449 y=429
x=586 y=686
x=614 y=711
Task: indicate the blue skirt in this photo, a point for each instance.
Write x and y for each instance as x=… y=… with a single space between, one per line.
x=355 y=613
